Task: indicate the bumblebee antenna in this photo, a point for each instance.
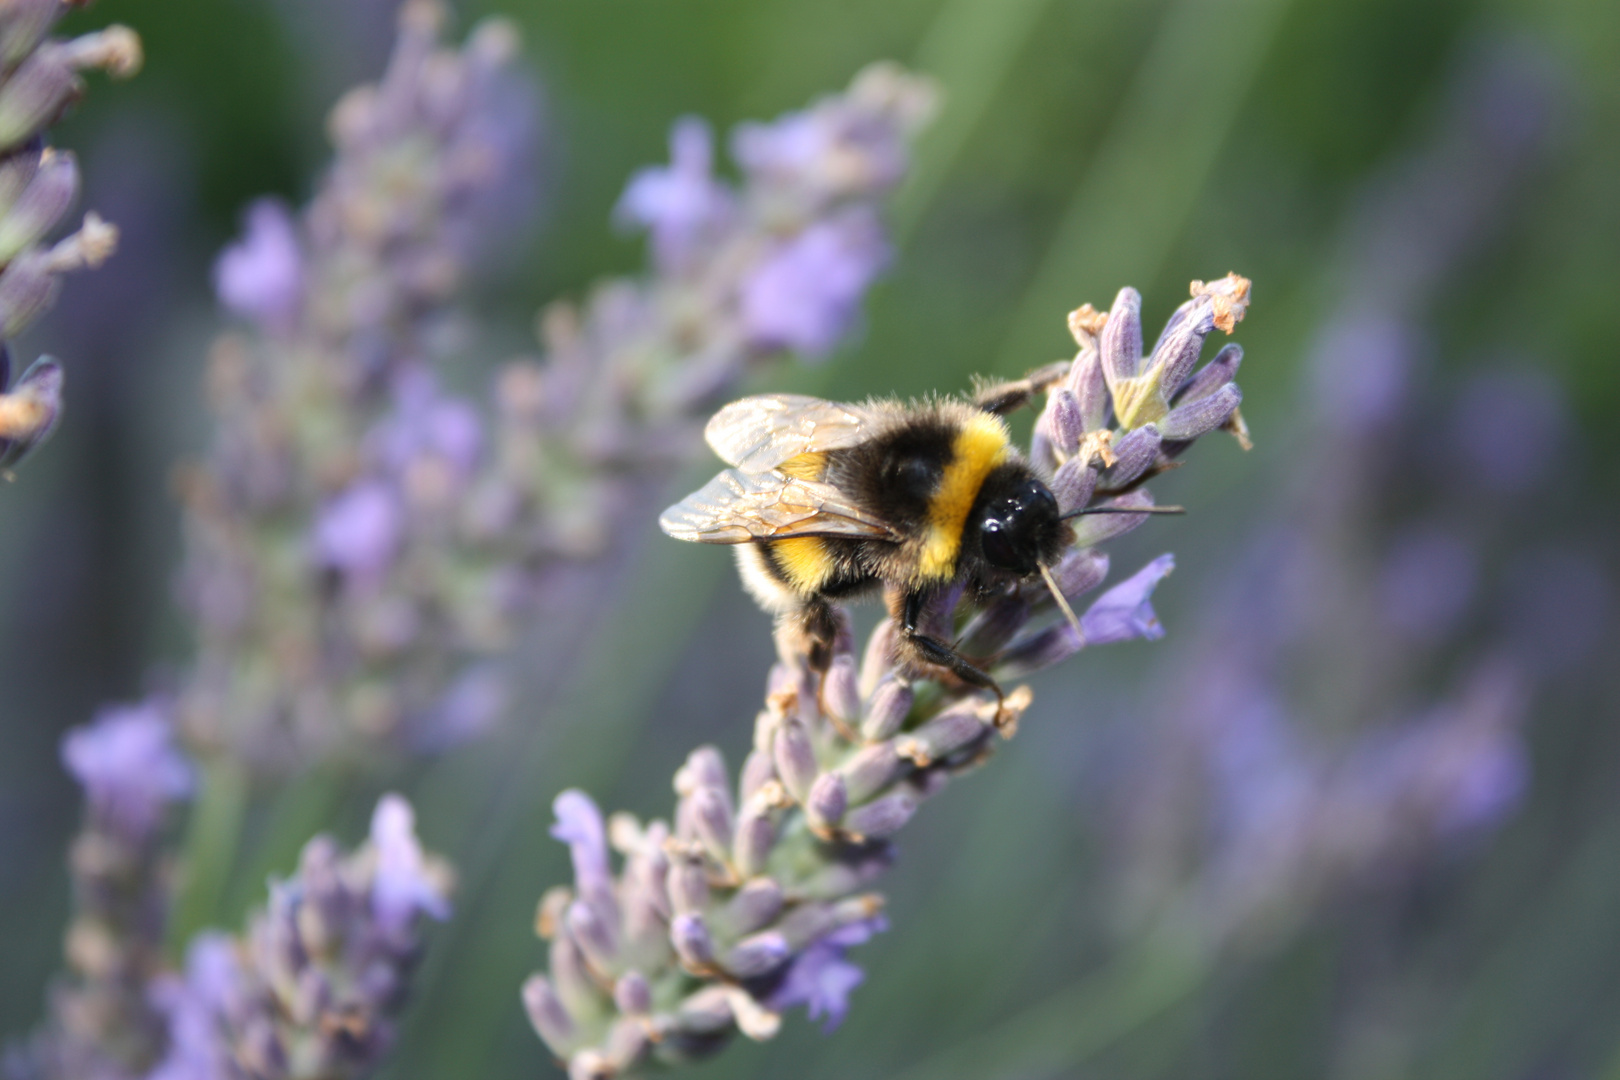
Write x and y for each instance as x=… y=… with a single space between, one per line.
x=1124 y=510
x=1062 y=601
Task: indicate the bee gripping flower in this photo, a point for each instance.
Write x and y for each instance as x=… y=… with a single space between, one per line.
x=750 y=904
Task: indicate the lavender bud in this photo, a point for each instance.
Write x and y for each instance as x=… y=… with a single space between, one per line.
x=871 y=770
x=756 y=834
x=1201 y=415
x=758 y=954
x=1090 y=388
x=795 y=759
x=950 y=731
x=993 y=626
x=1065 y=421
x=573 y=981
x=757 y=769
x=887 y=709
x=1040 y=650
x=1120 y=344
x=838 y=691
x=1072 y=486
x=632 y=995
x=882 y=817
x=690 y=936
x=35 y=94
x=705 y=1013
x=626 y=1042
x=1080 y=571
x=827 y=801
x=551 y=1021
x=711 y=816
x=756 y=904
x=704 y=768
x=27 y=287
x=54 y=186
x=1132 y=456
x=688 y=884
x=1097 y=528
x=878 y=658
x=1212 y=376
x=1178 y=346
x=596 y=939
x=25 y=26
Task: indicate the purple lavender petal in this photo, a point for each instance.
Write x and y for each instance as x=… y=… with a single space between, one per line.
x=681 y=205
x=805 y=294
x=579 y=825
x=196 y=1006
x=403 y=886
x=821 y=979
x=359 y=531
x=1125 y=611
x=129 y=764
x=261 y=276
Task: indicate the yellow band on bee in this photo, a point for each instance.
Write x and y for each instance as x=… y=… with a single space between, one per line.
x=804 y=561
x=978 y=448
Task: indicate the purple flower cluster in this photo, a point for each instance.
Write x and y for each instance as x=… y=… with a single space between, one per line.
x=747 y=904
x=39 y=80
x=101 y=1024
x=330 y=414
x=432 y=525
x=309 y=992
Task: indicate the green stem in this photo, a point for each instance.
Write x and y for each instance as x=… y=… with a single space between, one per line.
x=212 y=838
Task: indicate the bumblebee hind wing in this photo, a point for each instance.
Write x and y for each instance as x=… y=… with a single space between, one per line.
x=756 y=434
x=736 y=507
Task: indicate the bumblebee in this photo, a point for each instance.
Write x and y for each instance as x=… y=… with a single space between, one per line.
x=827 y=500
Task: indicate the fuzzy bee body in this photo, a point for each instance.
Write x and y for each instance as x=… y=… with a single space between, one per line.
x=827 y=501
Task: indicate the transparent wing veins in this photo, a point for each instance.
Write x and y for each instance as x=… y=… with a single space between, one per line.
x=736 y=507
x=756 y=434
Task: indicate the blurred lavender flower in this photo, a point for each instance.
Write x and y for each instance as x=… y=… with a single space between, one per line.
x=1261 y=791
x=310 y=990
x=261 y=277
x=39 y=80
x=100 y=1023
x=433 y=528
x=747 y=904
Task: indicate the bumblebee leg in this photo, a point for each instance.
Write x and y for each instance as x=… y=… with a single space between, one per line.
x=1005 y=397
x=819 y=624
x=934 y=651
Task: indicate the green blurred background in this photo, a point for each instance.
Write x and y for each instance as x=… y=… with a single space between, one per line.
x=1083 y=145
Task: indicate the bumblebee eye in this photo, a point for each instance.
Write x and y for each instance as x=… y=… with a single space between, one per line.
x=1011 y=531
x=999 y=545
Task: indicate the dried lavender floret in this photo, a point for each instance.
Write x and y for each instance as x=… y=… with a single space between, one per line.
x=751 y=912
x=39 y=80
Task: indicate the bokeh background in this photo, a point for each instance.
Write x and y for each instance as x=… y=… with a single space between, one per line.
x=1425 y=197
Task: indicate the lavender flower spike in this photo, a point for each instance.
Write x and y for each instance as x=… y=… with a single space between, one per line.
x=39 y=80
x=428 y=529
x=309 y=992
x=100 y=1021
x=725 y=919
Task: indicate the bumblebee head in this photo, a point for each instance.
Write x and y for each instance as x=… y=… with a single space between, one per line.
x=1017 y=524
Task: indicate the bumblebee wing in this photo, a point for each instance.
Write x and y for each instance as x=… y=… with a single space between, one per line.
x=736 y=507
x=757 y=434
